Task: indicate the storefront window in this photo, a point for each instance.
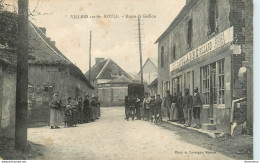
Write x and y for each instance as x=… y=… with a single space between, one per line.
x=205 y=84
x=221 y=82
x=213 y=86
x=177 y=84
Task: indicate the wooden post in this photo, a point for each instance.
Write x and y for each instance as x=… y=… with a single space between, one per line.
x=22 y=77
x=140 y=50
x=90 y=57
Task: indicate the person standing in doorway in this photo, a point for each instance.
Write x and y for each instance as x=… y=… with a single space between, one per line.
x=174 y=111
x=197 y=105
x=167 y=104
x=55 y=106
x=187 y=105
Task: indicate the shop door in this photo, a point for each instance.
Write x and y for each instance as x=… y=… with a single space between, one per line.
x=213 y=88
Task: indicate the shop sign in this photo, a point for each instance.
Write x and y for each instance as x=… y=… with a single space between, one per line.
x=214 y=43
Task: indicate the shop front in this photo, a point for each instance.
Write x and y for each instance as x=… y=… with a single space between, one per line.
x=208 y=67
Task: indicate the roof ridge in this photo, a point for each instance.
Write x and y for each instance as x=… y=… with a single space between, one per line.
x=48 y=44
x=103 y=68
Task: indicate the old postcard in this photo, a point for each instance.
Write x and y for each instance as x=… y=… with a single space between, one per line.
x=126 y=79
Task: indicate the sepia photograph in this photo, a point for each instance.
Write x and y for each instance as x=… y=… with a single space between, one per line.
x=126 y=80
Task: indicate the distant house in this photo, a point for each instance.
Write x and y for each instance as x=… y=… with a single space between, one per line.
x=110 y=80
x=153 y=87
x=150 y=70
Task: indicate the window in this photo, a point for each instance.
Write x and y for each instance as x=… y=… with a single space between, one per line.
x=212 y=16
x=221 y=82
x=213 y=83
x=205 y=84
x=162 y=56
x=189 y=33
x=177 y=84
x=173 y=53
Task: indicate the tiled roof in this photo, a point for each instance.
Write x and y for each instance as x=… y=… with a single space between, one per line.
x=41 y=50
x=121 y=79
x=103 y=69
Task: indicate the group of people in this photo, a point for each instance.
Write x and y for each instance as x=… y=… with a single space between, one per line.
x=147 y=109
x=75 y=112
x=179 y=108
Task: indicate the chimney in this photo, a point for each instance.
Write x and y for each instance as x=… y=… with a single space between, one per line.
x=99 y=59
x=43 y=29
x=188 y=1
x=53 y=43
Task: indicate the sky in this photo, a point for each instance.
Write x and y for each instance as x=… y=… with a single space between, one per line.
x=115 y=38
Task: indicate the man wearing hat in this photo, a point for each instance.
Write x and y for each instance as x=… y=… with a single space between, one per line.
x=167 y=103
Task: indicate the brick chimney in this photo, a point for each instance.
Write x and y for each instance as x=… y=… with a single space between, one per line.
x=99 y=59
x=43 y=29
x=188 y=1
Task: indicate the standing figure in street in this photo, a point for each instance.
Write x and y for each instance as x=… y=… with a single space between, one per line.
x=167 y=104
x=93 y=106
x=74 y=105
x=130 y=108
x=126 y=106
x=197 y=105
x=80 y=111
x=146 y=107
x=55 y=106
x=86 y=109
x=157 y=108
x=187 y=105
x=179 y=106
x=98 y=107
x=174 y=111
x=68 y=114
x=137 y=107
x=152 y=106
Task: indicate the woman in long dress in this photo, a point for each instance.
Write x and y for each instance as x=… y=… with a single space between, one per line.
x=55 y=106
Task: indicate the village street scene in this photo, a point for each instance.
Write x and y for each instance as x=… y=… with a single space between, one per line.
x=114 y=80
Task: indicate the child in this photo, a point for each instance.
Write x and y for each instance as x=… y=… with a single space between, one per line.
x=68 y=114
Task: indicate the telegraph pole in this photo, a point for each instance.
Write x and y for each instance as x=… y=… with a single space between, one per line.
x=140 y=50
x=89 y=57
x=22 y=77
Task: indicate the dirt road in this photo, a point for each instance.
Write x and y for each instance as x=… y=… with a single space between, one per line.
x=112 y=137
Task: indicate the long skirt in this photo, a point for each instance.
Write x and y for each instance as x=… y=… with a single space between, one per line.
x=54 y=117
x=174 y=112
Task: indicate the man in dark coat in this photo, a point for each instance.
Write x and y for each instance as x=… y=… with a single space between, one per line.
x=167 y=103
x=179 y=105
x=187 y=106
x=197 y=103
x=86 y=109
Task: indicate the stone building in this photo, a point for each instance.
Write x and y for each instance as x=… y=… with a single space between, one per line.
x=110 y=80
x=50 y=72
x=205 y=47
x=7 y=92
